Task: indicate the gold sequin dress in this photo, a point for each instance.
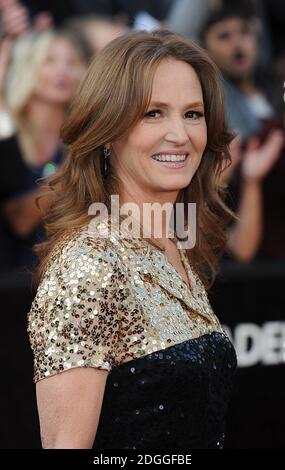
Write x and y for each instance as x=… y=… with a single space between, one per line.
x=114 y=302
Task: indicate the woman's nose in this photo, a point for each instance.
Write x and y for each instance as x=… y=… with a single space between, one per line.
x=177 y=132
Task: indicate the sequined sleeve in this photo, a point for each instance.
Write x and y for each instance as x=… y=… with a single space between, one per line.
x=74 y=319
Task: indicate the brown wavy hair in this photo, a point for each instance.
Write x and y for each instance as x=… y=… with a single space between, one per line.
x=113 y=96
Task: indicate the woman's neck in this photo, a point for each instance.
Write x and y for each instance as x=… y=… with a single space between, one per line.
x=43 y=121
x=160 y=203
x=45 y=118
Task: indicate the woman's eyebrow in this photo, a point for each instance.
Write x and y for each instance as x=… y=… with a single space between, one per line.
x=194 y=104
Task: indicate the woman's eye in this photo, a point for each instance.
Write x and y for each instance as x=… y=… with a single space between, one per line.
x=151 y=113
x=194 y=114
x=49 y=59
x=190 y=114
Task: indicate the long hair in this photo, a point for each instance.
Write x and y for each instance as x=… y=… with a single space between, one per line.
x=113 y=97
x=28 y=54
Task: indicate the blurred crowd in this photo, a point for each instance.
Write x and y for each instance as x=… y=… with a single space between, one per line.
x=45 y=47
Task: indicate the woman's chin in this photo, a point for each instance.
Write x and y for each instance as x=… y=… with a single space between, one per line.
x=176 y=184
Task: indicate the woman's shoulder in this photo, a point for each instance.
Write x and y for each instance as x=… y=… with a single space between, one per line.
x=81 y=262
x=84 y=249
x=74 y=317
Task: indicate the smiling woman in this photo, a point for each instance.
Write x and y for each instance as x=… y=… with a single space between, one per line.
x=171 y=136
x=146 y=362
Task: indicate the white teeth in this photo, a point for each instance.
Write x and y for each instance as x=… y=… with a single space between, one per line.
x=169 y=158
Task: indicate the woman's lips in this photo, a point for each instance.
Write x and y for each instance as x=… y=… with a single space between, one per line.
x=172 y=165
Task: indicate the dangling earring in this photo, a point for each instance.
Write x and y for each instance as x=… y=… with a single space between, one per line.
x=107 y=153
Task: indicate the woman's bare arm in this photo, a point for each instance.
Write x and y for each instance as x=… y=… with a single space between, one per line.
x=245 y=237
x=246 y=234
x=69 y=406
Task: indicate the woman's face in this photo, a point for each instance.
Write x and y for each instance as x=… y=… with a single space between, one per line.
x=174 y=128
x=59 y=73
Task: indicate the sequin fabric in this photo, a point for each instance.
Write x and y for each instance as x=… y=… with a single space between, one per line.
x=117 y=303
x=175 y=398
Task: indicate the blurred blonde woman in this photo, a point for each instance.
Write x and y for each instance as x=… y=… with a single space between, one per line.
x=40 y=73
